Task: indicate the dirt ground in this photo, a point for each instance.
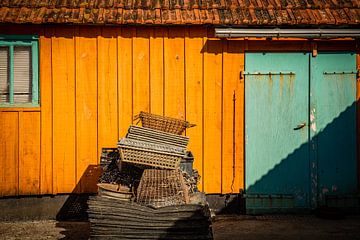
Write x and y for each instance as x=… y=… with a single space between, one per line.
x=225 y=227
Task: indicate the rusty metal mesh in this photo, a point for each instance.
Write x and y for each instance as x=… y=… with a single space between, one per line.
x=160 y=188
x=149 y=154
x=166 y=124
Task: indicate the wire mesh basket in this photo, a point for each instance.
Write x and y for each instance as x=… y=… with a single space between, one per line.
x=156 y=136
x=149 y=154
x=160 y=188
x=166 y=124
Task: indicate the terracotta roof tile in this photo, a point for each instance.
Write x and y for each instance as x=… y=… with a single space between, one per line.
x=217 y=12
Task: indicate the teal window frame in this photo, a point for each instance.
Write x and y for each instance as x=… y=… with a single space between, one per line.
x=29 y=41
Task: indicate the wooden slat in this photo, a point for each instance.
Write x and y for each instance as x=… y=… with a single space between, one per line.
x=157 y=71
x=194 y=94
x=63 y=90
x=233 y=115
x=141 y=84
x=9 y=157
x=29 y=153
x=86 y=107
x=174 y=95
x=46 y=182
x=107 y=89
x=212 y=115
x=125 y=72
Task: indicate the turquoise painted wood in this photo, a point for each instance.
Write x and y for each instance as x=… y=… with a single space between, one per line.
x=22 y=40
x=309 y=166
x=11 y=74
x=35 y=72
x=276 y=129
x=333 y=128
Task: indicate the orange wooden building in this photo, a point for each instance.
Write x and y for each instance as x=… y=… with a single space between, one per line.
x=100 y=63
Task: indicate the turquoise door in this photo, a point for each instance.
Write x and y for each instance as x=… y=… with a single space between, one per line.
x=300 y=130
x=333 y=128
x=276 y=131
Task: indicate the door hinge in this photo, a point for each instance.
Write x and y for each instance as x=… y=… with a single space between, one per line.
x=268 y=73
x=341 y=73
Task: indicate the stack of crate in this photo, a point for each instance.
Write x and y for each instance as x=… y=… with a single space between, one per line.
x=161 y=204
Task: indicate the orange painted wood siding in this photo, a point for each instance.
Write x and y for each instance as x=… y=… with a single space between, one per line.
x=93 y=80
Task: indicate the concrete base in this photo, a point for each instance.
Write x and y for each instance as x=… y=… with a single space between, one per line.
x=226 y=203
x=74 y=206
x=59 y=207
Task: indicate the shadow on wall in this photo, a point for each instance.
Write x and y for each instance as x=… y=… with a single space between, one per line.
x=76 y=204
x=334 y=172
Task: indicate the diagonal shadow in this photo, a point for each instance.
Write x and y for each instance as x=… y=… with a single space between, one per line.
x=334 y=185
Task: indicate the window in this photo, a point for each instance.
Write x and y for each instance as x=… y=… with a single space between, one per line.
x=19 y=71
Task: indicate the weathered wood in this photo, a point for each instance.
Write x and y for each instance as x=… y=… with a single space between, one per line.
x=86 y=106
x=174 y=94
x=46 y=170
x=157 y=71
x=141 y=83
x=213 y=84
x=107 y=89
x=232 y=121
x=9 y=157
x=125 y=77
x=29 y=153
x=63 y=90
x=194 y=44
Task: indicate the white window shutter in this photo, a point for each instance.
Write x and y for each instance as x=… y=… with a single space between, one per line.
x=22 y=75
x=4 y=74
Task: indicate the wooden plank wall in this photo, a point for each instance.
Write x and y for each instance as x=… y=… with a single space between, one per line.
x=93 y=80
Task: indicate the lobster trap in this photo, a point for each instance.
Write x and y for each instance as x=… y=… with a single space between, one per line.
x=160 y=188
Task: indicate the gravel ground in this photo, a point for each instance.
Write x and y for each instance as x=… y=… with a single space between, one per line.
x=44 y=230
x=225 y=227
x=285 y=227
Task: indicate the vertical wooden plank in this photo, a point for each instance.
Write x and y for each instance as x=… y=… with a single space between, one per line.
x=194 y=94
x=174 y=94
x=212 y=115
x=233 y=115
x=157 y=71
x=63 y=90
x=141 y=84
x=86 y=107
x=107 y=89
x=125 y=69
x=29 y=153
x=46 y=182
x=9 y=157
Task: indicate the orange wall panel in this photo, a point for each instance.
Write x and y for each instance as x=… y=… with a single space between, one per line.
x=93 y=80
x=63 y=110
x=174 y=81
x=29 y=153
x=232 y=121
x=46 y=175
x=125 y=79
x=213 y=84
x=86 y=107
x=157 y=71
x=194 y=94
x=107 y=89
x=9 y=157
x=141 y=65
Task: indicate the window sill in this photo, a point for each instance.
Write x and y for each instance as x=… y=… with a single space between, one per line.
x=20 y=108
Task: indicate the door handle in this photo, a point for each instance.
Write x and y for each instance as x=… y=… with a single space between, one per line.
x=300 y=126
